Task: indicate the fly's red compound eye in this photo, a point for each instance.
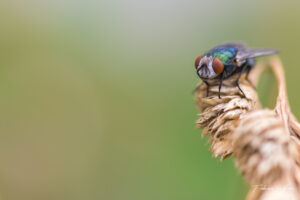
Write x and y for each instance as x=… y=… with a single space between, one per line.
x=197 y=61
x=217 y=66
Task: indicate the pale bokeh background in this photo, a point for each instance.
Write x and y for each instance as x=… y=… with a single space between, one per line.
x=96 y=96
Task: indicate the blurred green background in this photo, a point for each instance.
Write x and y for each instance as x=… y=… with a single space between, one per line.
x=96 y=96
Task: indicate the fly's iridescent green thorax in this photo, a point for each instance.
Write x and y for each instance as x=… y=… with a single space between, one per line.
x=225 y=54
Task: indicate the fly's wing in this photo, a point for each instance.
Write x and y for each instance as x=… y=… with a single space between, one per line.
x=245 y=53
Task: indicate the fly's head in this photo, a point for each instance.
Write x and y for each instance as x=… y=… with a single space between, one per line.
x=208 y=67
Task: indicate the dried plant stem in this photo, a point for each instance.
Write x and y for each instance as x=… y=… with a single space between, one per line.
x=265 y=143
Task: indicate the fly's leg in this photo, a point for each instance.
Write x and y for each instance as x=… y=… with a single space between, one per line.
x=238 y=79
x=207 y=87
x=247 y=72
x=249 y=67
x=220 y=86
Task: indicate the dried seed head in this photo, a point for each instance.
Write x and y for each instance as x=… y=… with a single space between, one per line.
x=265 y=143
x=219 y=117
